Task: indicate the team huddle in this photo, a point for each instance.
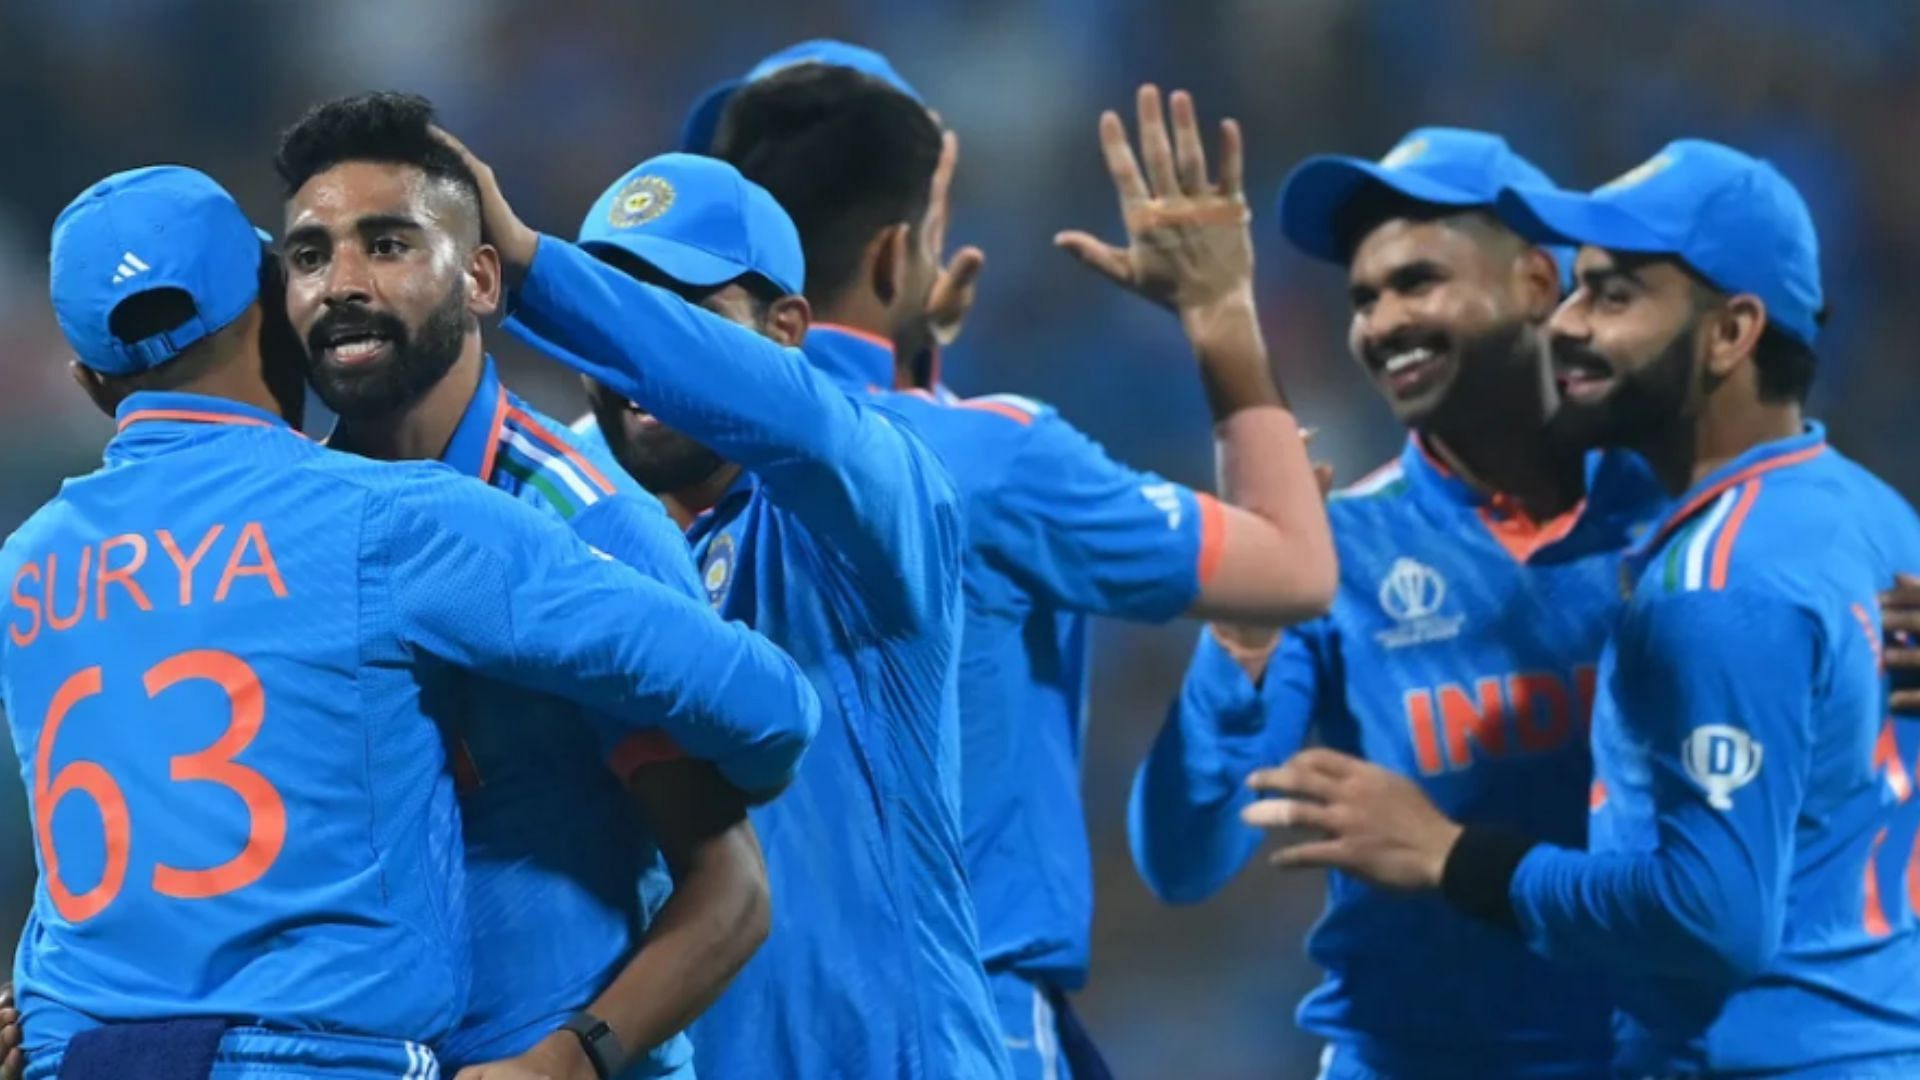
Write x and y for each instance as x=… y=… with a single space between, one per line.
x=733 y=729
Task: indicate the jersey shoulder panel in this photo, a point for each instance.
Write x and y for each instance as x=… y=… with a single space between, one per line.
x=977 y=443
x=1754 y=535
x=1384 y=484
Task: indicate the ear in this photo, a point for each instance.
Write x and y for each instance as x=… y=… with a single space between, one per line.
x=1734 y=332
x=788 y=319
x=1537 y=278
x=888 y=256
x=484 y=283
x=98 y=389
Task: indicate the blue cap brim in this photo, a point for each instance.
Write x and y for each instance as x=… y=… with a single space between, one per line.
x=681 y=262
x=1320 y=188
x=702 y=124
x=1547 y=216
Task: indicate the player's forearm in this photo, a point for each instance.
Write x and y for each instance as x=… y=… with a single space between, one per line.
x=1184 y=829
x=719 y=691
x=510 y=592
x=851 y=473
x=1234 y=369
x=747 y=398
x=1183 y=814
x=718 y=916
x=741 y=703
x=1660 y=913
x=1276 y=564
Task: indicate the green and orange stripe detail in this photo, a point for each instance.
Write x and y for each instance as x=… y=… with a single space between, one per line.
x=538 y=458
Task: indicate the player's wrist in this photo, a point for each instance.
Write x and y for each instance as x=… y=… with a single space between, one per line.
x=1226 y=340
x=1477 y=874
x=559 y=1056
x=1222 y=319
x=518 y=247
x=1250 y=647
x=592 y=1051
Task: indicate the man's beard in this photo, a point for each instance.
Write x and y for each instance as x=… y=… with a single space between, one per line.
x=671 y=464
x=1645 y=403
x=660 y=459
x=1496 y=372
x=420 y=358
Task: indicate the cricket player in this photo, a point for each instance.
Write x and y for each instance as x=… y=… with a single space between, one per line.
x=1057 y=529
x=1742 y=888
x=567 y=874
x=1479 y=578
x=840 y=540
x=950 y=298
x=229 y=652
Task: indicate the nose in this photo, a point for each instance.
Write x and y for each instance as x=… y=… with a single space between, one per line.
x=349 y=278
x=1570 y=319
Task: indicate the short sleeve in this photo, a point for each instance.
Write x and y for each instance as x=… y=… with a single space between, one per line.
x=1068 y=521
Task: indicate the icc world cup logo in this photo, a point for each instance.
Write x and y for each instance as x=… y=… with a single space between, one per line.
x=1722 y=760
x=1412 y=591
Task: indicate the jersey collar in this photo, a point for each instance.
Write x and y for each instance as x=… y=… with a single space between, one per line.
x=1760 y=460
x=148 y=418
x=476 y=438
x=723 y=511
x=1622 y=496
x=857 y=360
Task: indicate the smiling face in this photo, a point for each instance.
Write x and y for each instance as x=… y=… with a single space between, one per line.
x=1442 y=313
x=386 y=277
x=1626 y=350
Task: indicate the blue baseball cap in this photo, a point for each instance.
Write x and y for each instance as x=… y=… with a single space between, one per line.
x=161 y=227
x=1732 y=218
x=1441 y=166
x=698 y=221
x=703 y=120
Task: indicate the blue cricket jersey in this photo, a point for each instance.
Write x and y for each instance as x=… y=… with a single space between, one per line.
x=1460 y=651
x=563 y=875
x=1056 y=531
x=842 y=543
x=225 y=655
x=1748 y=887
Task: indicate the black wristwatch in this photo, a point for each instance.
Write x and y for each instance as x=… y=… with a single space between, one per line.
x=601 y=1045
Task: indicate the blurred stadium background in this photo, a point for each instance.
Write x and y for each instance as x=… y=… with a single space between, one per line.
x=562 y=95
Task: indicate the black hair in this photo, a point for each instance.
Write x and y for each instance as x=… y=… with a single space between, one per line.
x=1785 y=364
x=157 y=311
x=387 y=127
x=845 y=154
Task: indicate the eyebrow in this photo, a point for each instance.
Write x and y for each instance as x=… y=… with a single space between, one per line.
x=1595 y=278
x=384 y=222
x=371 y=223
x=1400 y=277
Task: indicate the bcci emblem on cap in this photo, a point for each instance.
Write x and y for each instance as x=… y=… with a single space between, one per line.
x=642 y=200
x=1412 y=594
x=1722 y=759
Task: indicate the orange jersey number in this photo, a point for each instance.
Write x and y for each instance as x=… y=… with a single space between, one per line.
x=266 y=810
